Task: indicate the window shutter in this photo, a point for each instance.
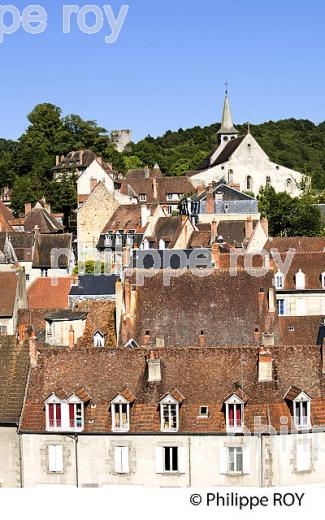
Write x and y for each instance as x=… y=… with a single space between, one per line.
x=181 y=460
x=125 y=459
x=71 y=415
x=303 y=456
x=118 y=459
x=52 y=457
x=246 y=460
x=223 y=460
x=58 y=415
x=59 y=458
x=159 y=460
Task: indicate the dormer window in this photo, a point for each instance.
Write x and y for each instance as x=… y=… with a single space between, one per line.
x=169 y=414
x=66 y=413
x=279 y=280
x=300 y=280
x=142 y=197
x=301 y=411
x=99 y=339
x=234 y=413
x=120 y=408
x=162 y=244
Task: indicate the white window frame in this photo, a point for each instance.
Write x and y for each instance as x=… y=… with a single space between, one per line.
x=65 y=419
x=142 y=197
x=55 y=458
x=298 y=401
x=279 y=280
x=116 y=408
x=169 y=402
x=76 y=401
x=235 y=402
x=323 y=280
x=98 y=337
x=121 y=460
x=300 y=280
x=238 y=452
x=172 y=450
x=284 y=307
x=53 y=399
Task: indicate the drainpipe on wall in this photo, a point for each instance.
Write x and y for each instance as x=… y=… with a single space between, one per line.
x=20 y=449
x=76 y=459
x=189 y=463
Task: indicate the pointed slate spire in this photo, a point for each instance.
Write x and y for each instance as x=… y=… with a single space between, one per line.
x=227 y=126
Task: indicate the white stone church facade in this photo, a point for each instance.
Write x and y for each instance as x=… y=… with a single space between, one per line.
x=242 y=161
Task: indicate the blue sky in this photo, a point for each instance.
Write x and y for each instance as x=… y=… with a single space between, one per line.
x=168 y=68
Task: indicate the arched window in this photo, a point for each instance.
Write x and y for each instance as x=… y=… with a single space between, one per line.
x=225 y=138
x=279 y=280
x=249 y=182
x=289 y=185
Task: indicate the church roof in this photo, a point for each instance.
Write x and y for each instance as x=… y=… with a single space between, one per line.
x=227 y=126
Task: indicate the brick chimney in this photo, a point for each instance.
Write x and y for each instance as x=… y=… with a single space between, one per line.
x=268 y=339
x=144 y=215
x=57 y=160
x=271 y=300
x=28 y=208
x=265 y=226
x=257 y=336
x=71 y=338
x=210 y=200
x=146 y=170
x=248 y=227
x=202 y=339
x=215 y=255
x=21 y=332
x=265 y=362
x=154 y=367
x=99 y=160
x=213 y=231
x=33 y=350
x=261 y=300
x=146 y=338
x=154 y=187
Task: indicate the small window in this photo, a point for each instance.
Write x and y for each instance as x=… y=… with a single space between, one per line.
x=169 y=196
x=169 y=414
x=279 y=280
x=121 y=457
x=268 y=181
x=99 y=340
x=249 y=183
x=75 y=416
x=281 y=307
x=204 y=411
x=171 y=459
x=225 y=138
x=120 y=415
x=54 y=415
x=301 y=413
x=3 y=330
x=55 y=458
x=27 y=277
x=44 y=273
x=291 y=328
x=234 y=413
x=142 y=197
x=235 y=460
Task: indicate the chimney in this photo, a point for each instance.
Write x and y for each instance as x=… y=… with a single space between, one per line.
x=154 y=367
x=265 y=362
x=202 y=339
x=126 y=256
x=213 y=231
x=248 y=227
x=235 y=186
x=28 y=208
x=33 y=350
x=268 y=339
x=93 y=183
x=261 y=300
x=210 y=200
x=200 y=189
x=144 y=215
x=21 y=332
x=99 y=160
x=57 y=160
x=257 y=336
x=271 y=300
x=146 y=172
x=146 y=338
x=75 y=280
x=154 y=188
x=265 y=226
x=71 y=338
x=215 y=255
x=160 y=342
x=323 y=356
x=81 y=154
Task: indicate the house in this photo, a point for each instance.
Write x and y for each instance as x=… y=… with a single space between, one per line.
x=14 y=371
x=5 y=196
x=64 y=327
x=151 y=188
x=242 y=161
x=155 y=416
x=41 y=218
x=5 y=217
x=100 y=329
x=92 y=287
x=12 y=298
x=92 y=216
x=40 y=255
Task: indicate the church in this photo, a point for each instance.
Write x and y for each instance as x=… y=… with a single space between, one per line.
x=241 y=161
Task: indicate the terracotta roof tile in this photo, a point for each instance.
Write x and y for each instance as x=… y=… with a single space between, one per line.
x=43 y=294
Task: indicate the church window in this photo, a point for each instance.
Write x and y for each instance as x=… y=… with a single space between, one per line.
x=249 y=182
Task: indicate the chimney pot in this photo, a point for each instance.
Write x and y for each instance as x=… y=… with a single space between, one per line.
x=215 y=255
x=71 y=338
x=28 y=208
x=265 y=362
x=154 y=367
x=146 y=338
x=202 y=339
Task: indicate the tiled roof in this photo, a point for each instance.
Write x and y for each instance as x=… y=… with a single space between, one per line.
x=126 y=218
x=45 y=294
x=201 y=237
x=40 y=217
x=45 y=245
x=300 y=244
x=299 y=330
x=8 y=292
x=224 y=155
x=22 y=244
x=164 y=185
x=227 y=308
x=100 y=316
x=14 y=368
x=90 y=285
x=311 y=264
x=5 y=212
x=80 y=158
x=201 y=376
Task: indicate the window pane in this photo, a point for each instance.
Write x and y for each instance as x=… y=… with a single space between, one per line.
x=174 y=458
x=239 y=459
x=124 y=420
x=167 y=459
x=231 y=454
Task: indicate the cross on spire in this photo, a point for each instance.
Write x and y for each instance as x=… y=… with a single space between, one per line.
x=226 y=85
